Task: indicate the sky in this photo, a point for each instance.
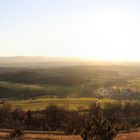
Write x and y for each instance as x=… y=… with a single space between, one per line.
x=87 y=29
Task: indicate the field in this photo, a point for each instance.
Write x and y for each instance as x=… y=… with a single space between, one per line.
x=68 y=104
x=74 y=88
x=70 y=87
x=125 y=136
x=65 y=81
x=41 y=136
x=41 y=103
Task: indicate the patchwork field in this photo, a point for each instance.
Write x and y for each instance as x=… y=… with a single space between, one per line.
x=70 y=87
x=68 y=104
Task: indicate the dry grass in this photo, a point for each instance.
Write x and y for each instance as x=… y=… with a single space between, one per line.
x=128 y=136
x=29 y=136
x=51 y=137
x=122 y=136
x=4 y=135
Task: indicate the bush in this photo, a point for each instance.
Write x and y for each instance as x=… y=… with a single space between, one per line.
x=17 y=133
x=98 y=129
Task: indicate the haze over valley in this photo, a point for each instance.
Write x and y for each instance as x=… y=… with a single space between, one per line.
x=69 y=70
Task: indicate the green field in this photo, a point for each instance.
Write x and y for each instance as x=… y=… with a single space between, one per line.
x=68 y=104
x=28 y=90
x=41 y=103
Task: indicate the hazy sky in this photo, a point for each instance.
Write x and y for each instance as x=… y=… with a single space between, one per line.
x=97 y=29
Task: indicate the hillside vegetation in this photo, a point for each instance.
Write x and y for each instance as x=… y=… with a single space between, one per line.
x=100 y=81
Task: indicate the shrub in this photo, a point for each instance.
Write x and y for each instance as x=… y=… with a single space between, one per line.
x=17 y=133
x=98 y=129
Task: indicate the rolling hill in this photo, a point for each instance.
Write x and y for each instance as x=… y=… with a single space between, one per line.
x=73 y=79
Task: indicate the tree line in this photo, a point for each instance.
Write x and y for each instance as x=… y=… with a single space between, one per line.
x=53 y=118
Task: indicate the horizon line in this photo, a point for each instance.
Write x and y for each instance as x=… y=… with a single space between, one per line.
x=76 y=58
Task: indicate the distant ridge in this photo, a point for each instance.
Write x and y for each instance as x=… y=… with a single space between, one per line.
x=62 y=61
x=38 y=61
x=34 y=59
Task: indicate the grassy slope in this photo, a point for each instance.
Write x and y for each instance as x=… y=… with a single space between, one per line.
x=27 y=90
x=65 y=79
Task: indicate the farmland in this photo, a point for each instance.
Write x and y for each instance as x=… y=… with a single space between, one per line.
x=61 y=98
x=67 y=81
x=71 y=87
x=68 y=103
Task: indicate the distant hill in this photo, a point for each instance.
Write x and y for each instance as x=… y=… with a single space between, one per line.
x=27 y=77
x=70 y=81
x=37 y=61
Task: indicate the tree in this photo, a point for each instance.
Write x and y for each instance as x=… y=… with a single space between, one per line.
x=73 y=122
x=29 y=118
x=54 y=117
x=98 y=129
